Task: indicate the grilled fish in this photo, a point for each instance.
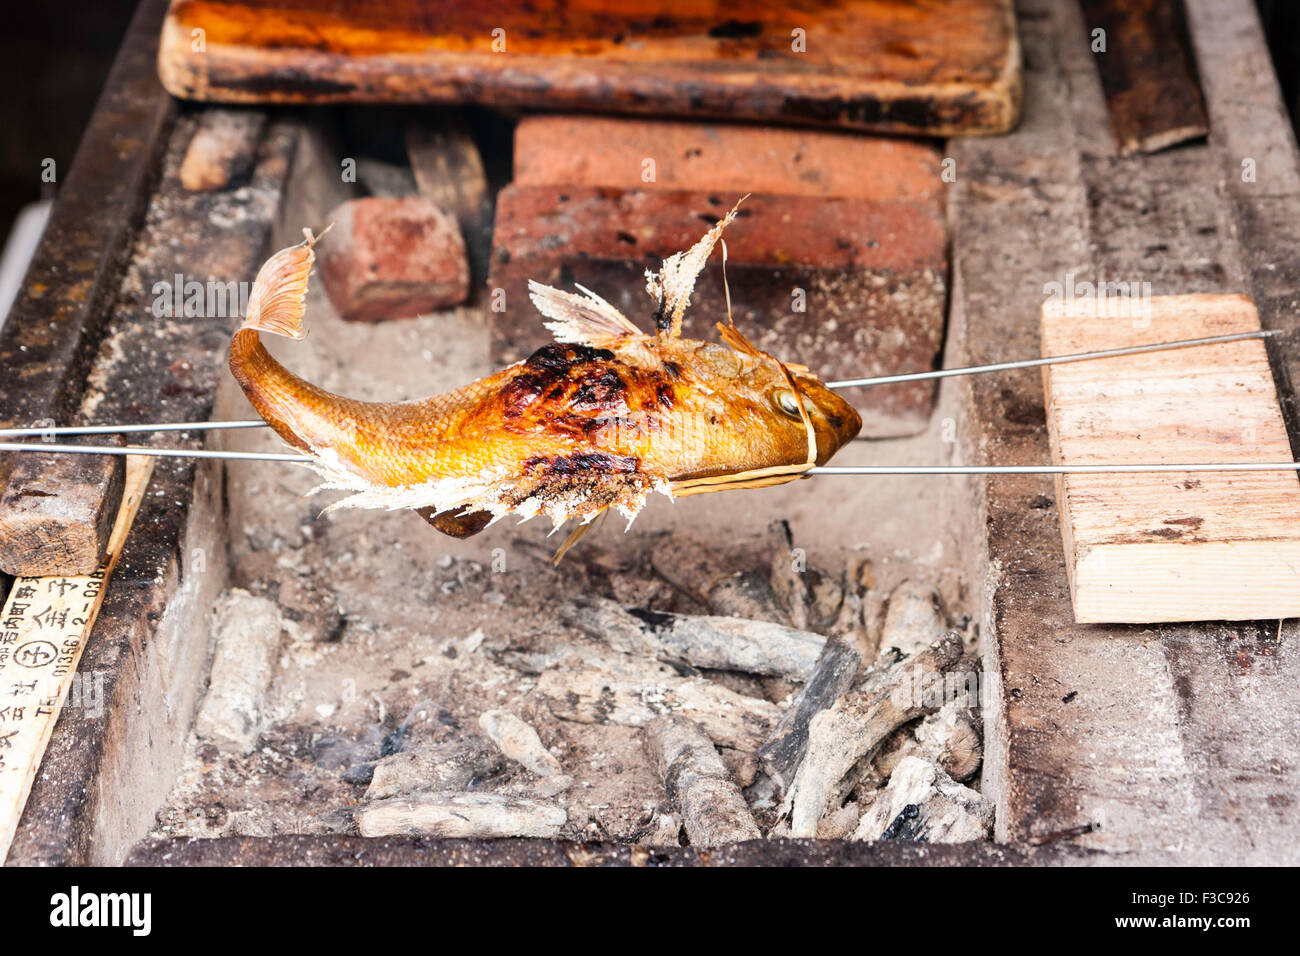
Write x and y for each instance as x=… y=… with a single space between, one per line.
x=595 y=421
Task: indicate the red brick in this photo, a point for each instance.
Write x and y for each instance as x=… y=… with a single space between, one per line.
x=391 y=258
x=873 y=273
x=610 y=151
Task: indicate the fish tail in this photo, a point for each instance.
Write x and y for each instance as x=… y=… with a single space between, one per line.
x=279 y=297
x=298 y=411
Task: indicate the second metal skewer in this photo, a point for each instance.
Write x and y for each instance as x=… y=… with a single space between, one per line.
x=822 y=470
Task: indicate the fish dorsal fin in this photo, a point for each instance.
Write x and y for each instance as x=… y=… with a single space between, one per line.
x=736 y=339
x=584 y=319
x=672 y=287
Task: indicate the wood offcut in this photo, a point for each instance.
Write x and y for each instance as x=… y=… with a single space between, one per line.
x=1147 y=71
x=1143 y=548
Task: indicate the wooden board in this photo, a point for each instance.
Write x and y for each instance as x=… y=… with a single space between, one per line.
x=939 y=67
x=44 y=628
x=1177 y=546
x=1148 y=72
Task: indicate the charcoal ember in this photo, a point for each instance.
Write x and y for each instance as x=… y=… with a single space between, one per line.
x=832 y=675
x=713 y=811
x=461 y=815
x=458 y=765
x=248 y=633
x=914 y=620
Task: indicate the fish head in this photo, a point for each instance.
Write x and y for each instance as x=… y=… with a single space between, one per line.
x=835 y=422
x=766 y=395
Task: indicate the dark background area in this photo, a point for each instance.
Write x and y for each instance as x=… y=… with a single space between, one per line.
x=54 y=57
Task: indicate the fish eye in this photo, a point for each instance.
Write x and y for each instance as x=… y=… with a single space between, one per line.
x=788 y=402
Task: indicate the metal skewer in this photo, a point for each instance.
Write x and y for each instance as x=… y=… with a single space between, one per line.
x=1052 y=469
x=153 y=452
x=823 y=470
x=844 y=384
x=1049 y=360
x=127 y=429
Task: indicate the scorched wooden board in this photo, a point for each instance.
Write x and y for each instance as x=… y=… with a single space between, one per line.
x=937 y=67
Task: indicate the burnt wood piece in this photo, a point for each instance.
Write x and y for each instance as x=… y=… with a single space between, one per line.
x=58 y=510
x=449 y=172
x=107 y=770
x=935 y=68
x=850 y=287
x=714 y=642
x=222 y=150
x=318 y=850
x=1148 y=72
x=858 y=722
x=713 y=810
x=836 y=668
x=53 y=329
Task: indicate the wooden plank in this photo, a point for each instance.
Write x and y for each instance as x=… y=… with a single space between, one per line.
x=1178 y=546
x=449 y=171
x=940 y=67
x=1147 y=71
x=44 y=628
x=57 y=512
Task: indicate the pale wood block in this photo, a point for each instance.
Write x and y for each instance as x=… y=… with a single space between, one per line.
x=1174 y=546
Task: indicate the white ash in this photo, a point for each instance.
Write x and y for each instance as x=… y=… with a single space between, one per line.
x=923 y=804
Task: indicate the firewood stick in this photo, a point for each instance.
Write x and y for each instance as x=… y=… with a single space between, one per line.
x=712 y=808
x=833 y=675
x=464 y=815
x=598 y=697
x=718 y=643
x=519 y=741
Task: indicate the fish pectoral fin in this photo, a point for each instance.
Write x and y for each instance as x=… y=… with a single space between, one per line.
x=671 y=288
x=585 y=319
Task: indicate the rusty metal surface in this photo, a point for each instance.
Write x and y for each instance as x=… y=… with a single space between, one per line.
x=47 y=343
x=303 y=850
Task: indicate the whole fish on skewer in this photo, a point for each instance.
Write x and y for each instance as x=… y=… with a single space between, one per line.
x=596 y=421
